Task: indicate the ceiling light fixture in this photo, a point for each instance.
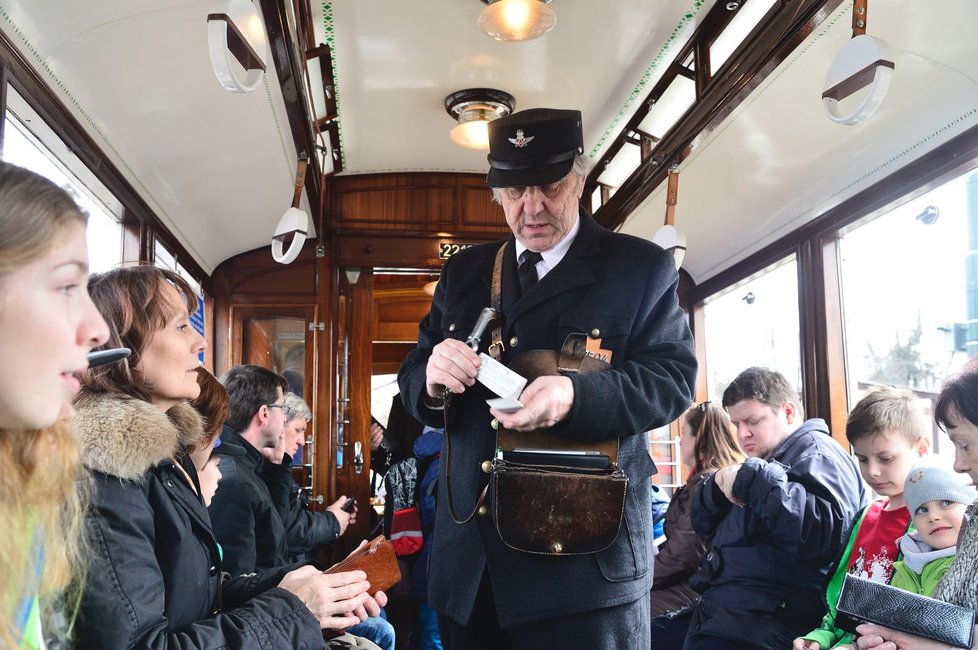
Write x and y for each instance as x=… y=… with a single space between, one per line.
x=474 y=108
x=516 y=20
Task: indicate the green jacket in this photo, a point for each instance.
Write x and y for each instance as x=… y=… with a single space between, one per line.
x=922 y=567
x=828 y=635
x=924 y=583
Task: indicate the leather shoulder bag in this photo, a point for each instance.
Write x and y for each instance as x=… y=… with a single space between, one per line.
x=550 y=494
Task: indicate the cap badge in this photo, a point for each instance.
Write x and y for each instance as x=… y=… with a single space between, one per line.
x=520 y=140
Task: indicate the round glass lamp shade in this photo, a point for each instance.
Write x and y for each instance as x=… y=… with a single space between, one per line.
x=517 y=20
x=472 y=130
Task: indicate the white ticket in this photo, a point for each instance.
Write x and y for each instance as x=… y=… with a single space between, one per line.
x=505 y=404
x=500 y=379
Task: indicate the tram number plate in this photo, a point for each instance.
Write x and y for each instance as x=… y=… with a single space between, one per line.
x=447 y=249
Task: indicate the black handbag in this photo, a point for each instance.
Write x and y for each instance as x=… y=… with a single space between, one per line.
x=864 y=601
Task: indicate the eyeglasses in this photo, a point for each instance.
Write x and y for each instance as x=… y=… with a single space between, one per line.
x=276 y=406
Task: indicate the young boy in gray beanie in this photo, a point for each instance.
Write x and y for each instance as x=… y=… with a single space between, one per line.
x=936 y=498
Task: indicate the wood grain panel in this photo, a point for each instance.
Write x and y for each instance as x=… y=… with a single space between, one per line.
x=388 y=357
x=418 y=203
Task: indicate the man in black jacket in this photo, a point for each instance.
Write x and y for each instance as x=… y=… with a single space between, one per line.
x=253 y=495
x=774 y=523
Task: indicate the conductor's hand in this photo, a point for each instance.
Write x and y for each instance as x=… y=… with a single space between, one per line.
x=335 y=599
x=546 y=401
x=725 y=478
x=452 y=365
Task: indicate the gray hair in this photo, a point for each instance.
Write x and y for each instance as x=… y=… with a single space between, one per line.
x=582 y=167
x=295 y=407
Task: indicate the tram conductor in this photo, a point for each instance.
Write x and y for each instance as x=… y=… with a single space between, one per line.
x=561 y=274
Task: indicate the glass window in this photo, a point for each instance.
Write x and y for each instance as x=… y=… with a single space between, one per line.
x=104 y=232
x=754 y=323
x=910 y=294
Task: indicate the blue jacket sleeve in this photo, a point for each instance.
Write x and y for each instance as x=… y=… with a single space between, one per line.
x=709 y=507
x=808 y=510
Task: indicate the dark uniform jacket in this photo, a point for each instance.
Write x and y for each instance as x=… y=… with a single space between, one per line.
x=155 y=580
x=619 y=289
x=768 y=561
x=248 y=507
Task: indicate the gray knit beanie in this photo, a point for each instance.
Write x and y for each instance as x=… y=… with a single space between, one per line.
x=929 y=483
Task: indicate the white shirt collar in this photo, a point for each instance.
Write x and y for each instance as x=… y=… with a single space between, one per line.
x=553 y=255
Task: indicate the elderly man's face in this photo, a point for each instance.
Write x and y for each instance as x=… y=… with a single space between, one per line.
x=540 y=216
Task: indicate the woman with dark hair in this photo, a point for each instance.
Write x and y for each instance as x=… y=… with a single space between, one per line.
x=214 y=406
x=707 y=443
x=156 y=579
x=47 y=327
x=956 y=412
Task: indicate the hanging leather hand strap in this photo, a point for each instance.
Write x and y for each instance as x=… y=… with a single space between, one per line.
x=495 y=350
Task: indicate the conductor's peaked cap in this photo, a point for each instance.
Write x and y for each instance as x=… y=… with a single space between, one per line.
x=533 y=147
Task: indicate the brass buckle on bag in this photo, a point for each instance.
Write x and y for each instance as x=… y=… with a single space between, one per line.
x=502 y=348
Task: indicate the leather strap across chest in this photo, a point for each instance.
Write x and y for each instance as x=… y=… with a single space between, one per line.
x=496 y=352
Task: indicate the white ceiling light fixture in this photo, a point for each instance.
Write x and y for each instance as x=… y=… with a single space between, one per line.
x=516 y=20
x=237 y=44
x=474 y=108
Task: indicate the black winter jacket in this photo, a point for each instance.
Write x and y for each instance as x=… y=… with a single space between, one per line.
x=248 y=509
x=768 y=561
x=305 y=531
x=155 y=580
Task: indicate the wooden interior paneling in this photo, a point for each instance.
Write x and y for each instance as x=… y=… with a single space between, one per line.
x=416 y=203
x=388 y=357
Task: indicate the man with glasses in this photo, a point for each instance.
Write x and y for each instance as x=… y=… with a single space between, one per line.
x=254 y=489
x=561 y=273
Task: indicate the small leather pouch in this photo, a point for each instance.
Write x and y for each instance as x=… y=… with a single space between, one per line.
x=865 y=601
x=377 y=560
x=557 y=510
x=569 y=507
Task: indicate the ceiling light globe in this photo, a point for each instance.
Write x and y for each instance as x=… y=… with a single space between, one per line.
x=472 y=134
x=517 y=20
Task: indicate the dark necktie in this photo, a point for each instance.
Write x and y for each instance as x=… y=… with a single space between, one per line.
x=528 y=270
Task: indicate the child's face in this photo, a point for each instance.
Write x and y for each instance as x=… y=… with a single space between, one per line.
x=885 y=460
x=209 y=476
x=939 y=522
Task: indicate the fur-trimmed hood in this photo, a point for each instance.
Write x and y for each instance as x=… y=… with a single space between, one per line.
x=124 y=437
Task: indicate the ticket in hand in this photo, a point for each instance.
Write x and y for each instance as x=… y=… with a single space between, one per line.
x=503 y=382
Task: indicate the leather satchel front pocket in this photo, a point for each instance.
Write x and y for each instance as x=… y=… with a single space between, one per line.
x=556 y=510
x=865 y=601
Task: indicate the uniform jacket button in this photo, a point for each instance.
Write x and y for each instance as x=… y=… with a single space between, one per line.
x=513 y=342
x=494 y=423
x=483 y=511
x=595 y=333
x=213 y=571
x=486 y=466
x=451 y=328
